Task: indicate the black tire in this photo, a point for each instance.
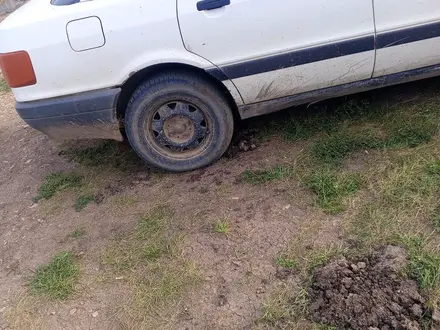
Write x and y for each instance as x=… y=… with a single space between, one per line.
x=179 y=121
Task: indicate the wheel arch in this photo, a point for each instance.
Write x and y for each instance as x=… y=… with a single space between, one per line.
x=130 y=85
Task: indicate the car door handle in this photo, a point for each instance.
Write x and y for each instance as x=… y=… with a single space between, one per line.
x=212 y=4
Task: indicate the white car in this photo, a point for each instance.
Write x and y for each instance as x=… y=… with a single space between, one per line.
x=175 y=74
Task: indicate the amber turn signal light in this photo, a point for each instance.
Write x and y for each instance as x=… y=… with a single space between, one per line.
x=17 y=69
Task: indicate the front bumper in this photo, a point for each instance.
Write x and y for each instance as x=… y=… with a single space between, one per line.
x=90 y=115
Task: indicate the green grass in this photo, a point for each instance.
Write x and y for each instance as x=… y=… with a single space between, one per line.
x=82 y=201
x=336 y=147
x=286 y=262
x=56 y=182
x=331 y=188
x=79 y=232
x=221 y=227
x=152 y=253
x=433 y=168
x=276 y=173
x=409 y=137
x=410 y=128
x=306 y=123
x=424 y=263
x=3 y=86
x=106 y=153
x=57 y=279
x=435 y=220
x=397 y=134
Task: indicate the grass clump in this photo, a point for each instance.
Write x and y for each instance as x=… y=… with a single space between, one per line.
x=285 y=307
x=56 y=182
x=433 y=168
x=152 y=253
x=435 y=221
x=57 y=279
x=424 y=264
x=279 y=172
x=79 y=232
x=221 y=227
x=286 y=262
x=331 y=189
x=4 y=88
x=83 y=201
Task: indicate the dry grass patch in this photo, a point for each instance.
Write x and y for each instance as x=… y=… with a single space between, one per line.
x=285 y=308
x=25 y=314
x=155 y=268
x=276 y=173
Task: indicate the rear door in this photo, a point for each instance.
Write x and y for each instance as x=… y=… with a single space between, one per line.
x=276 y=48
x=408 y=35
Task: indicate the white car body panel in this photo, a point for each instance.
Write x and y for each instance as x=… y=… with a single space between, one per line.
x=397 y=14
x=138 y=34
x=304 y=78
x=404 y=15
x=253 y=29
x=407 y=57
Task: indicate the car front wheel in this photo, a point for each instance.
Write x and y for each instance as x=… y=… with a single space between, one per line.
x=179 y=121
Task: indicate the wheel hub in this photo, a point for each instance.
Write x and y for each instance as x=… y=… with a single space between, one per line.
x=179 y=129
x=179 y=126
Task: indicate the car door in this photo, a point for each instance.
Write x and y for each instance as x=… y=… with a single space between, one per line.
x=275 y=48
x=408 y=35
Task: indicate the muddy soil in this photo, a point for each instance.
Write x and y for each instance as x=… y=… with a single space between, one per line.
x=367 y=294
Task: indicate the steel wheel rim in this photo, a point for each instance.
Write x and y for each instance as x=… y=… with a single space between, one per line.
x=178 y=129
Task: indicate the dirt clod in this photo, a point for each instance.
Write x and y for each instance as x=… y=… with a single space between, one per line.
x=109 y=190
x=367 y=294
x=245 y=140
x=436 y=315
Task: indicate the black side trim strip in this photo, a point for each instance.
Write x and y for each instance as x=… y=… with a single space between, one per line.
x=298 y=57
x=69 y=105
x=407 y=35
x=218 y=74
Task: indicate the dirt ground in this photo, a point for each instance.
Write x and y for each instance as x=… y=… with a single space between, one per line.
x=238 y=269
